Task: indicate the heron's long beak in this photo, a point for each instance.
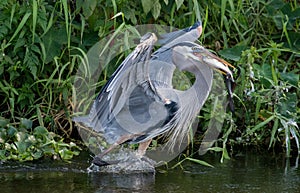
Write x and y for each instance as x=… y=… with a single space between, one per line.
x=200 y=54
x=217 y=63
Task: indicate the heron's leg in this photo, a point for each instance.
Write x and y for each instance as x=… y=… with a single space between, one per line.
x=120 y=141
x=143 y=147
x=98 y=159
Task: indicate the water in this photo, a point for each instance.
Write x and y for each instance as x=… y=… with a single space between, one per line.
x=248 y=172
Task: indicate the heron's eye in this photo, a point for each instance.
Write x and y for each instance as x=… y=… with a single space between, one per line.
x=196 y=50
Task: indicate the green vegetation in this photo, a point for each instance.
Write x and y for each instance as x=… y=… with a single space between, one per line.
x=44 y=41
x=20 y=141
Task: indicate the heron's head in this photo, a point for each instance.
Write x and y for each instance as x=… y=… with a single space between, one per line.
x=148 y=37
x=191 y=57
x=187 y=55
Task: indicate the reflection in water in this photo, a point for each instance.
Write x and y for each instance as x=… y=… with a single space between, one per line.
x=117 y=182
x=244 y=173
x=55 y=181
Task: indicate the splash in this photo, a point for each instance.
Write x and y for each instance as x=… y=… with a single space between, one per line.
x=126 y=162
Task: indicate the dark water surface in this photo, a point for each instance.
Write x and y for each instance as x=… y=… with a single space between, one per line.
x=247 y=172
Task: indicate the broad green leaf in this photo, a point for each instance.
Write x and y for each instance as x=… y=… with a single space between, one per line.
x=21 y=146
x=3 y=135
x=264 y=73
x=295 y=39
x=38 y=154
x=65 y=154
x=156 y=9
x=40 y=130
x=147 y=5
x=21 y=136
x=53 y=41
x=31 y=139
x=179 y=3
x=26 y=123
x=3 y=122
x=88 y=7
x=233 y=53
x=287 y=105
x=3 y=155
x=290 y=77
x=11 y=131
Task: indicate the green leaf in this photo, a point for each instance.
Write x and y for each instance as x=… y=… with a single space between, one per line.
x=20 y=26
x=53 y=41
x=88 y=7
x=147 y=5
x=65 y=154
x=3 y=135
x=264 y=73
x=233 y=53
x=200 y=162
x=11 y=131
x=216 y=149
x=26 y=123
x=34 y=18
x=224 y=155
x=40 y=131
x=3 y=122
x=156 y=9
x=179 y=3
x=290 y=77
x=38 y=154
x=21 y=42
x=260 y=125
x=31 y=61
x=274 y=129
x=21 y=146
x=3 y=155
x=21 y=136
x=287 y=105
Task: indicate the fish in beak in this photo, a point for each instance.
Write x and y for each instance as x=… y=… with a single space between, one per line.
x=221 y=65
x=202 y=54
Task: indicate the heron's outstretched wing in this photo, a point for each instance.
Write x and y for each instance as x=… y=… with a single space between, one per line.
x=169 y=40
x=130 y=80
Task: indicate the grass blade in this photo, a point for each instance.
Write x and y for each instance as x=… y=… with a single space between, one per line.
x=260 y=125
x=34 y=18
x=20 y=26
x=274 y=129
x=204 y=163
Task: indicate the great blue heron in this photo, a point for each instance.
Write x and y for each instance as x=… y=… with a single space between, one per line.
x=139 y=102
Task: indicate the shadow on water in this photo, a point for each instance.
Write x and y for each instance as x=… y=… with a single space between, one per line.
x=248 y=172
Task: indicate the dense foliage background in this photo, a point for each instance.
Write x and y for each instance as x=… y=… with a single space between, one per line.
x=43 y=42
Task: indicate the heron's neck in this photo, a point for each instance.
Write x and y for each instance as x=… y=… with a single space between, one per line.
x=202 y=85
